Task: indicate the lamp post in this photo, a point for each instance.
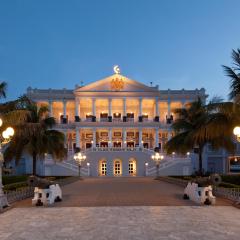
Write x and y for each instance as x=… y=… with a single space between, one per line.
x=6 y=136
x=236 y=132
x=79 y=158
x=157 y=158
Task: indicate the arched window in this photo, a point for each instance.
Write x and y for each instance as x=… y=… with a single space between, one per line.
x=117 y=168
x=132 y=167
x=102 y=167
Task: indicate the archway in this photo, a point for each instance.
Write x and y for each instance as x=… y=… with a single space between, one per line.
x=102 y=167
x=117 y=167
x=132 y=167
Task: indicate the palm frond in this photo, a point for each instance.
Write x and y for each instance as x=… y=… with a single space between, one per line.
x=3 y=88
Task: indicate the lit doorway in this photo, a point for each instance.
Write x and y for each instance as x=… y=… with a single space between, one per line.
x=117 y=168
x=103 y=168
x=132 y=167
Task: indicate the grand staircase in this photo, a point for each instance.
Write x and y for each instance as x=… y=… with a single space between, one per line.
x=72 y=168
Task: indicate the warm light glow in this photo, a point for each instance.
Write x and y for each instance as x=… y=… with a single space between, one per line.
x=5 y=134
x=236 y=131
x=88 y=164
x=145 y=114
x=1 y=122
x=173 y=153
x=60 y=114
x=10 y=131
x=88 y=114
x=188 y=153
x=235 y=160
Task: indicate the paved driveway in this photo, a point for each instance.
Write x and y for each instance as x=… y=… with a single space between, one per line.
x=122 y=192
x=130 y=208
x=121 y=223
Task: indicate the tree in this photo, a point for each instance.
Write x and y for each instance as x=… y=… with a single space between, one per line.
x=199 y=124
x=36 y=137
x=3 y=87
x=234 y=74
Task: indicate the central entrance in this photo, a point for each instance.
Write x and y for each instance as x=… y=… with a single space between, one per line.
x=117 y=167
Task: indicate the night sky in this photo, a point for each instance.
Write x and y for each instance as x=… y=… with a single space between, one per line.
x=175 y=44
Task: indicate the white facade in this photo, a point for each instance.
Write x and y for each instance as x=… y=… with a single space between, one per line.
x=118 y=123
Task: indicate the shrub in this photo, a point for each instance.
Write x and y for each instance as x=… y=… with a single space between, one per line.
x=14 y=179
x=233 y=179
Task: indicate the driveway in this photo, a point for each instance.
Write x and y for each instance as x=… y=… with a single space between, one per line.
x=139 y=191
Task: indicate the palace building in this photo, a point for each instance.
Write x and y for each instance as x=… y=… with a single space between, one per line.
x=118 y=123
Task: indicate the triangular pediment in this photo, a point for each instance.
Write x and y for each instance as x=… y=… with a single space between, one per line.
x=116 y=83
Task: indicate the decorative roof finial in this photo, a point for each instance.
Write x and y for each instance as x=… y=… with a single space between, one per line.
x=116 y=69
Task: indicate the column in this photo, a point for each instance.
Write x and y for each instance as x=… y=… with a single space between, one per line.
x=64 y=108
x=77 y=138
x=169 y=134
x=156 y=107
x=157 y=137
x=94 y=138
x=140 y=137
x=50 y=108
x=140 y=106
x=110 y=137
x=183 y=103
x=109 y=107
x=77 y=107
x=169 y=108
x=124 y=137
x=124 y=107
x=65 y=140
x=94 y=107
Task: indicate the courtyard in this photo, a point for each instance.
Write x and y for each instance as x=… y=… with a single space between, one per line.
x=121 y=208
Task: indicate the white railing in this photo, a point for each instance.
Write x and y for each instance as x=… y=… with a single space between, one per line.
x=71 y=165
x=230 y=193
x=169 y=162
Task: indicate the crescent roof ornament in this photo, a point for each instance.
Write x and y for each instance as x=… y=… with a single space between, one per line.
x=116 y=69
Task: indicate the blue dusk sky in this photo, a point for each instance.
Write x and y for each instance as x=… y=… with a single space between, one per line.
x=175 y=44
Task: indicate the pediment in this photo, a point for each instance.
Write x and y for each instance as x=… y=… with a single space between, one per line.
x=116 y=83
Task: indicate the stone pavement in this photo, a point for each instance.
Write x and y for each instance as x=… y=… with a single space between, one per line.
x=140 y=191
x=121 y=223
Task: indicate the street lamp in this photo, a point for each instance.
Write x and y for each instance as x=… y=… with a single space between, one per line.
x=236 y=132
x=6 y=136
x=157 y=158
x=79 y=158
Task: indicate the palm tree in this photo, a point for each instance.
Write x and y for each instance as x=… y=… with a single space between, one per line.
x=199 y=124
x=3 y=86
x=36 y=137
x=234 y=74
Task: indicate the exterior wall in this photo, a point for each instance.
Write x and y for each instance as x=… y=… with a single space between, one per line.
x=114 y=94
